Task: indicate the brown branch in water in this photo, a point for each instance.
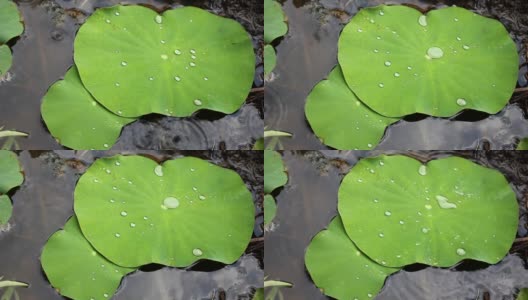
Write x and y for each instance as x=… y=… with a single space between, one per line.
x=521 y=240
x=257 y=90
x=256 y=240
x=520 y=90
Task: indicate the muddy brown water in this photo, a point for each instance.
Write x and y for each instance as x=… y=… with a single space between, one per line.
x=308 y=202
x=44 y=202
x=44 y=53
x=308 y=53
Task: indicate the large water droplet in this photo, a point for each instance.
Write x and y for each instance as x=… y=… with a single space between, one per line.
x=435 y=52
x=132 y=225
x=443 y=202
x=201 y=197
x=197 y=252
x=117 y=235
x=422 y=170
x=381 y=85
x=158 y=19
x=177 y=52
x=158 y=170
x=124 y=63
x=396 y=74
x=177 y=78
x=466 y=47
x=388 y=213
x=171 y=202
x=197 y=102
x=461 y=251
x=461 y=102
x=381 y=235
x=124 y=213
x=422 y=20
x=388 y=63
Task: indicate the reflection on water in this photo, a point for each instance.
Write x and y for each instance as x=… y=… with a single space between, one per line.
x=309 y=201
x=170 y=283
x=309 y=52
x=44 y=52
x=45 y=201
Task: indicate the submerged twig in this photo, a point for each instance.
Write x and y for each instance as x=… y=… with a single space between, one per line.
x=521 y=240
x=520 y=90
x=257 y=90
x=256 y=240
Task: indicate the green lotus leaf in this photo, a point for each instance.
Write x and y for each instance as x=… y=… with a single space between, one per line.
x=270 y=209
x=400 y=62
x=76 y=120
x=10 y=171
x=270 y=59
x=76 y=269
x=137 y=212
x=136 y=62
x=340 y=269
x=10 y=21
x=6 y=59
x=340 y=119
x=6 y=209
x=274 y=172
x=400 y=211
x=523 y=145
x=274 y=21
x=523 y=295
x=259 y=294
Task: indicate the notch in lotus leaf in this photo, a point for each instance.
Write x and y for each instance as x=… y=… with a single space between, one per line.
x=76 y=269
x=135 y=211
x=340 y=119
x=399 y=61
x=399 y=211
x=10 y=26
x=76 y=119
x=141 y=65
x=340 y=269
